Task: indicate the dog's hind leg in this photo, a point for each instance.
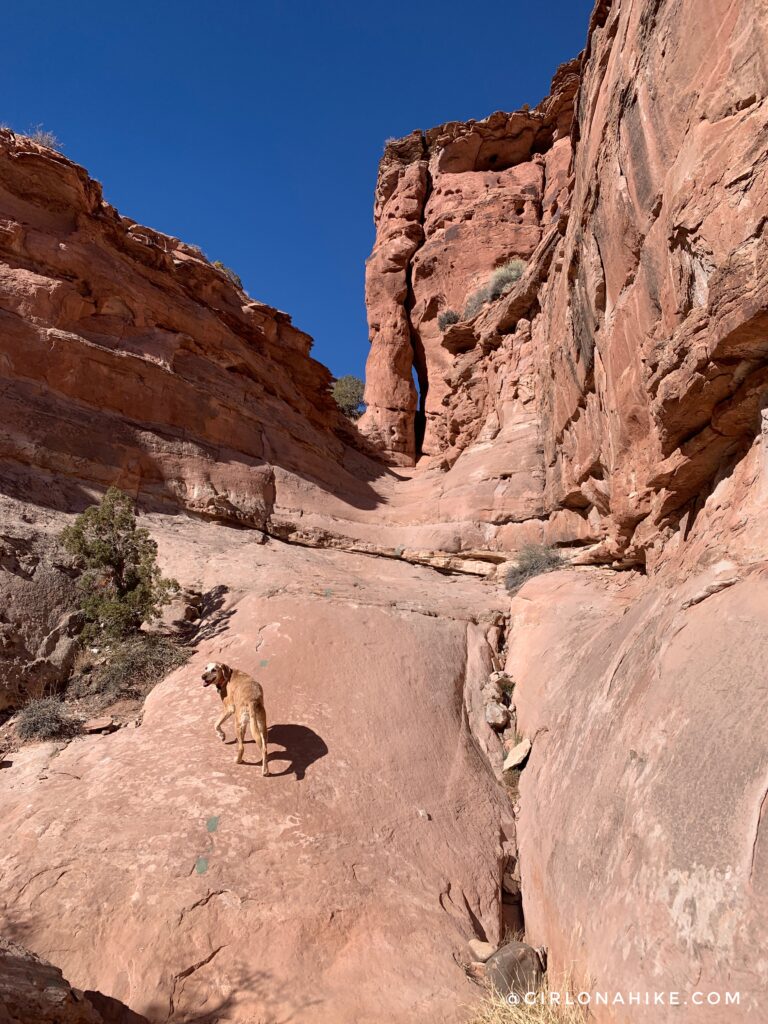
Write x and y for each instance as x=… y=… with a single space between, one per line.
x=240 y=721
x=259 y=728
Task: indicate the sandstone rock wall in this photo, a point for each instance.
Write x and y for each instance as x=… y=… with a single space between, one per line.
x=654 y=331
x=127 y=358
x=33 y=991
x=612 y=401
x=451 y=204
x=644 y=696
x=643 y=305
x=641 y=832
x=38 y=624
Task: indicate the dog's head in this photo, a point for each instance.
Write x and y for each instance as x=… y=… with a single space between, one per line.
x=215 y=672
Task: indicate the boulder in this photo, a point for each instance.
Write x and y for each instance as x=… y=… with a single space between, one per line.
x=480 y=951
x=517 y=754
x=515 y=968
x=103 y=724
x=496 y=715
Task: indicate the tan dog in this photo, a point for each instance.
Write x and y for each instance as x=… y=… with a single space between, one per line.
x=242 y=697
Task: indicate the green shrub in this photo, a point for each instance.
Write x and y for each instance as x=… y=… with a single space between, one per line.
x=533 y=560
x=500 y=282
x=43 y=137
x=348 y=392
x=446 y=318
x=121 y=585
x=475 y=303
x=504 y=277
x=129 y=668
x=46 y=719
x=228 y=273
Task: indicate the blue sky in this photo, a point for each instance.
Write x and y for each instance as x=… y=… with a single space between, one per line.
x=254 y=129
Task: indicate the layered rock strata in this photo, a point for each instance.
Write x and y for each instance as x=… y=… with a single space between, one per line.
x=627 y=367
x=451 y=204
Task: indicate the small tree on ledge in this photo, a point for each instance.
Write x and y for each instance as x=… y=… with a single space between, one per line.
x=348 y=392
x=121 y=585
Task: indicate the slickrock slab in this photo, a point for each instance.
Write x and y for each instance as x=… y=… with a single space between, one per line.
x=339 y=887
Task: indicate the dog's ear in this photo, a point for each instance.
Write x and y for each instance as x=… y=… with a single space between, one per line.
x=226 y=673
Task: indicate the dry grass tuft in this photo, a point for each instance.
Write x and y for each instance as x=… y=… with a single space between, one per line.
x=495 y=1009
x=43 y=137
x=47 y=718
x=128 y=669
x=532 y=560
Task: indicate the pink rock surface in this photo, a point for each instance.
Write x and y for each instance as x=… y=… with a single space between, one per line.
x=642 y=308
x=129 y=359
x=642 y=844
x=186 y=885
x=611 y=402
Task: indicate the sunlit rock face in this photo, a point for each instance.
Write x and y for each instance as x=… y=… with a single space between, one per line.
x=451 y=204
x=628 y=364
x=217 y=893
x=611 y=402
x=129 y=359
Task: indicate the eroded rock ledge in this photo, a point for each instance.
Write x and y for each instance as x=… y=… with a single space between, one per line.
x=129 y=359
x=627 y=367
x=451 y=203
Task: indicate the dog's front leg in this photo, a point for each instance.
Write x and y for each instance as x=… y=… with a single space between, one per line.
x=220 y=721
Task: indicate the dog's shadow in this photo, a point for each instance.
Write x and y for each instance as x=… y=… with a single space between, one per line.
x=302 y=747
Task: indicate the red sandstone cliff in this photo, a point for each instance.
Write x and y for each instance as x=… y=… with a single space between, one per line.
x=451 y=204
x=614 y=398
x=610 y=402
x=129 y=359
x=626 y=368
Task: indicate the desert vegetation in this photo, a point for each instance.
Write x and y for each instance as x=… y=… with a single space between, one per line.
x=348 y=393
x=541 y=1009
x=446 y=318
x=120 y=590
x=500 y=282
x=533 y=560
x=504 y=277
x=37 y=133
x=46 y=718
x=229 y=273
x=120 y=585
x=127 y=669
x=43 y=137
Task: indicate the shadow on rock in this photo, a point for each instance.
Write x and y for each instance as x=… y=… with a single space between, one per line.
x=277 y=999
x=302 y=748
x=112 y=1010
x=213 y=618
